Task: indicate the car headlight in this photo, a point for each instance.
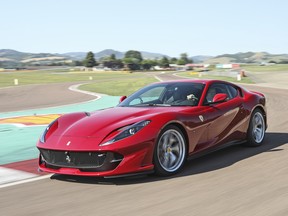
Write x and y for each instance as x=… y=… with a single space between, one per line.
x=49 y=130
x=127 y=132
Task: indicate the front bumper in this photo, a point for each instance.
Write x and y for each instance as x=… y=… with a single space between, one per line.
x=84 y=161
x=105 y=162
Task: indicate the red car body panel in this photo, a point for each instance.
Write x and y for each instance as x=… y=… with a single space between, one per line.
x=205 y=127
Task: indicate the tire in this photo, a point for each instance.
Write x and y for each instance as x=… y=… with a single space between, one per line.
x=256 y=130
x=170 y=151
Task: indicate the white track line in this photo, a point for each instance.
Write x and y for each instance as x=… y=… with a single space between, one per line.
x=10 y=177
x=75 y=88
x=23 y=181
x=156 y=77
x=71 y=88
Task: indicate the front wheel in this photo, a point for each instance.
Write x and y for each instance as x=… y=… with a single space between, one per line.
x=170 y=151
x=256 y=130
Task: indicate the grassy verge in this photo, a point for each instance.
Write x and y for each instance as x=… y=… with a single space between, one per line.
x=44 y=77
x=266 y=68
x=108 y=82
x=225 y=78
x=118 y=87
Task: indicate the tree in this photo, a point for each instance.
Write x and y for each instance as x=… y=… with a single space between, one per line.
x=148 y=63
x=132 y=63
x=90 y=61
x=164 y=62
x=112 y=56
x=133 y=59
x=173 y=60
x=134 y=54
x=77 y=63
x=184 y=59
x=181 y=62
x=112 y=62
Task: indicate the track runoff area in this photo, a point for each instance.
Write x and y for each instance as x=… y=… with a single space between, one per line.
x=19 y=132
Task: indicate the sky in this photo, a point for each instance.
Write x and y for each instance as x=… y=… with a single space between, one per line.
x=171 y=27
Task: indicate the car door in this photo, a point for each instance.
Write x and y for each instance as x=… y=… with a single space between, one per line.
x=224 y=118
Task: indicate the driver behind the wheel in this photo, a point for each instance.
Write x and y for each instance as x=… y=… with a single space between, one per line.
x=183 y=97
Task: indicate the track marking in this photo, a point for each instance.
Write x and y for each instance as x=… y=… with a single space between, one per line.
x=30 y=120
x=13 y=175
x=75 y=89
x=27 y=180
x=10 y=175
x=158 y=78
x=71 y=88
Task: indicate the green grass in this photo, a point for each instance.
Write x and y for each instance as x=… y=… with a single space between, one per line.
x=118 y=87
x=225 y=78
x=44 y=77
x=111 y=83
x=107 y=82
x=267 y=68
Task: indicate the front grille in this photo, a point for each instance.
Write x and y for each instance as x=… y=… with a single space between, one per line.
x=85 y=161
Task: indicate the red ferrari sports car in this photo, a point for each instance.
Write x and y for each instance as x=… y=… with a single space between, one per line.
x=155 y=129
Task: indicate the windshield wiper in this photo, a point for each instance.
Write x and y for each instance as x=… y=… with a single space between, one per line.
x=152 y=104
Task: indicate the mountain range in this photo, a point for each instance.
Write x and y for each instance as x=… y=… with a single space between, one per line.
x=249 y=57
x=13 y=58
x=109 y=52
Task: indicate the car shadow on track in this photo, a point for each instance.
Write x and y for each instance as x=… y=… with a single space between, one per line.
x=210 y=162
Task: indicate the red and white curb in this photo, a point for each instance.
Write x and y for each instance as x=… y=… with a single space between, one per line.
x=9 y=176
x=20 y=172
x=27 y=171
x=21 y=179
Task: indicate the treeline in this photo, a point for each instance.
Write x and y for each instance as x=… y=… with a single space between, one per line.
x=132 y=60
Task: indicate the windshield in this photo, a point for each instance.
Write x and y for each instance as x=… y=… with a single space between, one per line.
x=166 y=94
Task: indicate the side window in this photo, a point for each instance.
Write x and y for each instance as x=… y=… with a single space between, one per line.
x=210 y=94
x=233 y=92
x=217 y=88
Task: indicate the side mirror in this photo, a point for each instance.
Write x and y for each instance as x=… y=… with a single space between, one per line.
x=122 y=98
x=221 y=97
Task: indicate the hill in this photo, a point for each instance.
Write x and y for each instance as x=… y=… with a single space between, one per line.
x=12 y=58
x=109 y=52
x=248 y=57
x=201 y=58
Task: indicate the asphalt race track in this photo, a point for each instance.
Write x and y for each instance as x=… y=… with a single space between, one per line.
x=233 y=181
x=39 y=96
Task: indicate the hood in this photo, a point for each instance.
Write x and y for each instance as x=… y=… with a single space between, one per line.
x=101 y=123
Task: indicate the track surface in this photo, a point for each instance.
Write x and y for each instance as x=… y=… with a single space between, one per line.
x=39 y=96
x=234 y=181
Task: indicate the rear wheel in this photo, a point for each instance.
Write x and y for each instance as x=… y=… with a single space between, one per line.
x=256 y=130
x=170 y=151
